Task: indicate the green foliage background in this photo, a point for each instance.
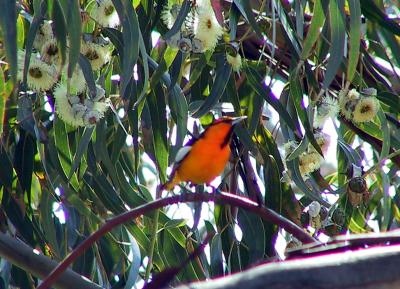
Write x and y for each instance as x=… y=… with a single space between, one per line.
x=100 y=176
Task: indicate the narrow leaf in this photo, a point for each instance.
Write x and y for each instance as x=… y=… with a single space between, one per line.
x=74 y=31
x=355 y=37
x=338 y=34
x=221 y=80
x=8 y=24
x=315 y=29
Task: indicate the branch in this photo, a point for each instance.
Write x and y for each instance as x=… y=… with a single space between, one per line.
x=368 y=269
x=219 y=198
x=373 y=141
x=24 y=257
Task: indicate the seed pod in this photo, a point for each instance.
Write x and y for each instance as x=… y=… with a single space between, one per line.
x=332 y=230
x=323 y=213
x=232 y=49
x=316 y=223
x=358 y=185
x=197 y=45
x=356 y=189
x=338 y=217
x=370 y=91
x=305 y=219
x=185 y=45
x=314 y=209
x=78 y=110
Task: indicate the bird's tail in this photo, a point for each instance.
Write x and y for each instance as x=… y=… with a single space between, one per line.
x=170 y=184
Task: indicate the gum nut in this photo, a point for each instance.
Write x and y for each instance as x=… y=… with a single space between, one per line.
x=74 y=99
x=79 y=110
x=185 y=45
x=197 y=45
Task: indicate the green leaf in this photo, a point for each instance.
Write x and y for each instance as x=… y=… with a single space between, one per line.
x=196 y=72
x=351 y=154
x=216 y=261
x=88 y=74
x=60 y=28
x=293 y=167
x=8 y=20
x=74 y=23
x=247 y=12
x=33 y=29
x=116 y=39
x=355 y=37
x=63 y=151
x=183 y=12
x=47 y=222
x=256 y=81
x=317 y=22
x=20 y=32
x=291 y=37
x=81 y=150
x=296 y=93
x=130 y=35
x=174 y=223
x=23 y=162
x=253 y=235
x=302 y=147
x=375 y=14
x=166 y=61
x=338 y=33
x=135 y=264
x=254 y=111
x=159 y=127
x=390 y=99
x=386 y=134
x=223 y=73
x=3 y=97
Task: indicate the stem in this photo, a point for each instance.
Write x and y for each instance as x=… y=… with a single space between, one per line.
x=220 y=198
x=25 y=257
x=152 y=245
x=382 y=161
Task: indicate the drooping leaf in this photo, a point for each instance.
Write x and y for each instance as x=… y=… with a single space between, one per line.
x=74 y=24
x=8 y=25
x=338 y=33
x=314 y=30
x=354 y=38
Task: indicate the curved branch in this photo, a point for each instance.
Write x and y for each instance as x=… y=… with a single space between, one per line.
x=219 y=198
x=24 y=257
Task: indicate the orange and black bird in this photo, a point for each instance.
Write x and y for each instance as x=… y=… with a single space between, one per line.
x=203 y=159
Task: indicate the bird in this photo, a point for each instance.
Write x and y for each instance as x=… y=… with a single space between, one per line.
x=204 y=158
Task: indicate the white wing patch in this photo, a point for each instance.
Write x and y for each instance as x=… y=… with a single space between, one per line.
x=182 y=153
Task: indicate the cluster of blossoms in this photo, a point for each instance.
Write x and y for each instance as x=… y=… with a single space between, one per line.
x=199 y=32
x=104 y=14
x=310 y=160
x=358 y=107
x=327 y=108
x=79 y=109
x=46 y=72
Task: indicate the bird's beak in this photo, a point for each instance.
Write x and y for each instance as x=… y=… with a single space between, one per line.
x=236 y=120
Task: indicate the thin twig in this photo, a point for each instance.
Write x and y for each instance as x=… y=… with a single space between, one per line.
x=153 y=241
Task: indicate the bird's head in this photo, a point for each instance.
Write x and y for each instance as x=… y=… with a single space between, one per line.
x=232 y=121
x=222 y=129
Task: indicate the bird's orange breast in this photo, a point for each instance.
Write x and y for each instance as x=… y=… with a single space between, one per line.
x=205 y=162
x=208 y=156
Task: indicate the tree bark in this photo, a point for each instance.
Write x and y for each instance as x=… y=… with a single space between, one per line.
x=362 y=269
x=24 y=257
